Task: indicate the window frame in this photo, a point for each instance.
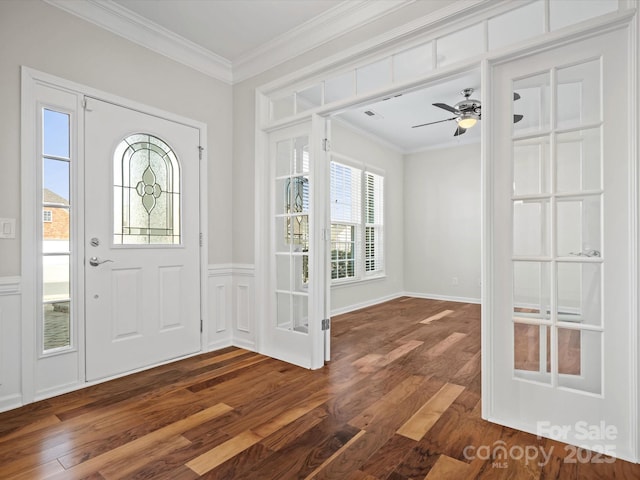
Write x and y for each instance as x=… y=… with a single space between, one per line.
x=360 y=245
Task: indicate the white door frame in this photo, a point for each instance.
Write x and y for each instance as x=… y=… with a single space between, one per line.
x=72 y=362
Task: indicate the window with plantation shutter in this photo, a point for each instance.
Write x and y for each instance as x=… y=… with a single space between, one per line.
x=373 y=213
x=356 y=223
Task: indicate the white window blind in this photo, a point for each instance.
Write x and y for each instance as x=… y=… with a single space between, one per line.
x=374 y=232
x=357 y=206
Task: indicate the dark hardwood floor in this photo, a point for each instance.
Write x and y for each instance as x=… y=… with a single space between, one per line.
x=399 y=400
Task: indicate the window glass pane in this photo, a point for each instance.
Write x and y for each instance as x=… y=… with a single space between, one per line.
x=146 y=192
x=564 y=13
x=283 y=272
x=283 y=310
x=301 y=155
x=413 y=63
x=530 y=227
x=284 y=153
x=309 y=98
x=55 y=277
x=531 y=349
x=531 y=290
x=534 y=104
x=374 y=76
x=460 y=45
x=516 y=25
x=55 y=230
x=339 y=87
x=580 y=293
x=345 y=193
x=300 y=307
x=56 y=134
x=282 y=107
x=579 y=94
x=531 y=166
x=578 y=227
x=57 y=325
x=580 y=360
x=579 y=161
x=343 y=251
x=55 y=181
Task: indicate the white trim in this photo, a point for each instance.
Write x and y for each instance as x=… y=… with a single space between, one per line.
x=10 y=286
x=333 y=23
x=367 y=303
x=123 y=22
x=9 y=402
x=446 y=298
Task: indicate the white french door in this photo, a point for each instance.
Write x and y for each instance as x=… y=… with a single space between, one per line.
x=142 y=266
x=298 y=265
x=558 y=314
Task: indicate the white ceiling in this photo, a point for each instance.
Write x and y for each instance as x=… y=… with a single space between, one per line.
x=395 y=116
x=229 y=28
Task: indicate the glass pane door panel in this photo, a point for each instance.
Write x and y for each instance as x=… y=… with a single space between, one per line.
x=579 y=360
x=301 y=155
x=283 y=308
x=531 y=166
x=530 y=231
x=578 y=227
x=531 y=347
x=531 y=290
x=56 y=138
x=55 y=181
x=55 y=277
x=578 y=161
x=283 y=272
x=283 y=196
x=580 y=293
x=57 y=325
x=300 y=305
x=578 y=95
x=284 y=153
x=534 y=104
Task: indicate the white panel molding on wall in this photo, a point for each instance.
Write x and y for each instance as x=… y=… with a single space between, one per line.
x=231 y=310
x=10 y=353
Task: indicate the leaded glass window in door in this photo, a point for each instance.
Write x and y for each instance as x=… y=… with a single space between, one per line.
x=146 y=192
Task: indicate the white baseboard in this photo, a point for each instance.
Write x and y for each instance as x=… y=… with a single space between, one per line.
x=448 y=298
x=368 y=303
x=10 y=402
x=247 y=345
x=219 y=345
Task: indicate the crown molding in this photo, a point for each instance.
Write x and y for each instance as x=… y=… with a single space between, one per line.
x=339 y=20
x=333 y=23
x=125 y=23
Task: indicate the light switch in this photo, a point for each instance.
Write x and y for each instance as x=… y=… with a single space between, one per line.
x=7 y=228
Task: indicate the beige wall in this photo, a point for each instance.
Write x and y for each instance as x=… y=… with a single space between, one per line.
x=442 y=201
x=37 y=35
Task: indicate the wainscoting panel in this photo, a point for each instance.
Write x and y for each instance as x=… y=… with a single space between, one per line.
x=218 y=328
x=244 y=331
x=10 y=351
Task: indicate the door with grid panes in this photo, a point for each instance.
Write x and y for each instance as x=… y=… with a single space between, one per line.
x=298 y=284
x=142 y=266
x=560 y=251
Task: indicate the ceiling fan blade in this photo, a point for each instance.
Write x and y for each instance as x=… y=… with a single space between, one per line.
x=446 y=107
x=431 y=123
x=516 y=96
x=459 y=131
x=517 y=118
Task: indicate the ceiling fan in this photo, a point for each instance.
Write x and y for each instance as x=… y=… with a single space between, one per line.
x=467 y=112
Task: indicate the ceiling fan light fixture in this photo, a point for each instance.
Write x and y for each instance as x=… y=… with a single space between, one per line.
x=467 y=120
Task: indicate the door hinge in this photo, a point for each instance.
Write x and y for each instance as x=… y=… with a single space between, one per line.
x=200 y=150
x=326 y=144
x=201 y=240
x=326 y=324
x=201 y=325
x=85 y=105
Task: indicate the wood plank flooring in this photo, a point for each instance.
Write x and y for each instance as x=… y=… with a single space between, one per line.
x=400 y=400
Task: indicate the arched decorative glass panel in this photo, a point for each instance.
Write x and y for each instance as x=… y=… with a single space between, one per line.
x=146 y=192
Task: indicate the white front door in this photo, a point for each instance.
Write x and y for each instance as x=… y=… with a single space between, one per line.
x=558 y=317
x=298 y=267
x=142 y=277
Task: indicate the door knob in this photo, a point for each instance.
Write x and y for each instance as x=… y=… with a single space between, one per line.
x=95 y=261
